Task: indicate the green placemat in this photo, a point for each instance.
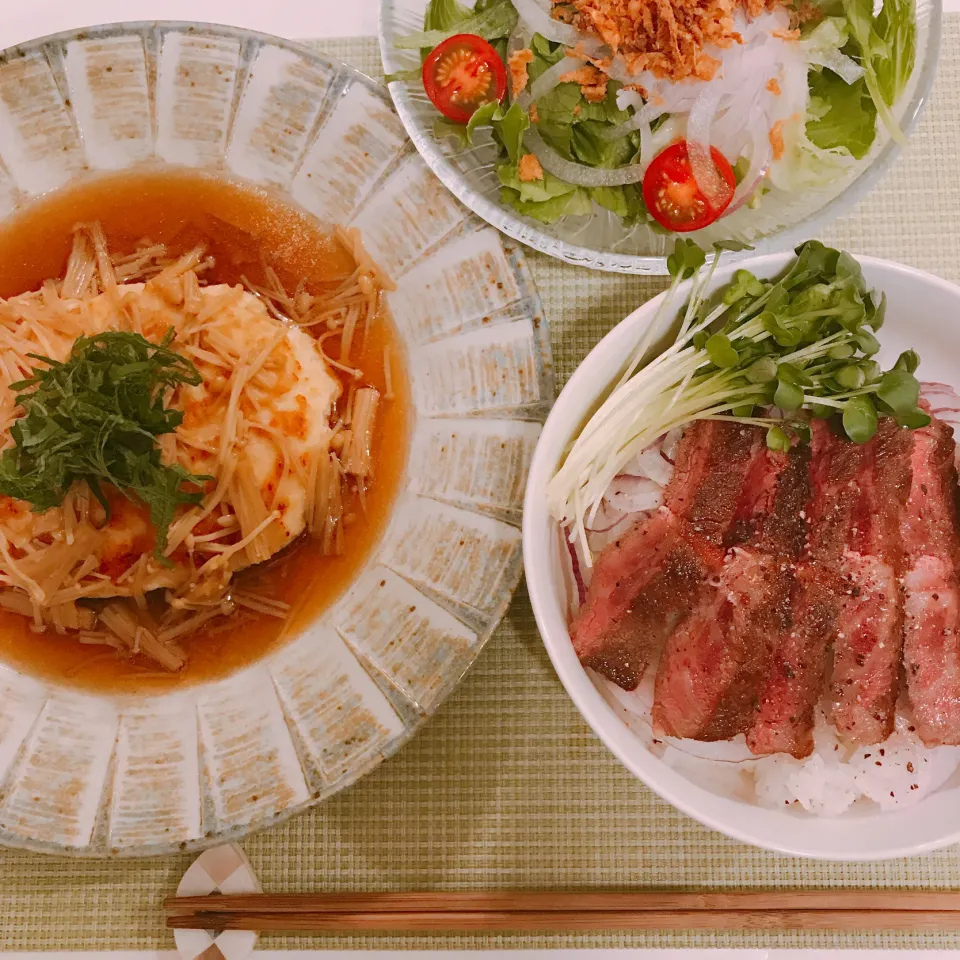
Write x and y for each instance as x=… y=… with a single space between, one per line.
x=507 y=787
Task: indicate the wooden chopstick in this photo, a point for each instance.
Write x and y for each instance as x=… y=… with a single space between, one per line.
x=567 y=910
x=492 y=921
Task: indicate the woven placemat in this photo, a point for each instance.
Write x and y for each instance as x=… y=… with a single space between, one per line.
x=507 y=787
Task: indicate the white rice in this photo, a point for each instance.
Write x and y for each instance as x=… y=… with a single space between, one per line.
x=893 y=774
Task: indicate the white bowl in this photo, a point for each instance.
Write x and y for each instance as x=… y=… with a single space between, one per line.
x=922 y=312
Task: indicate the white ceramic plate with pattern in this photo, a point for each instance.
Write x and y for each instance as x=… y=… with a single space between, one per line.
x=108 y=775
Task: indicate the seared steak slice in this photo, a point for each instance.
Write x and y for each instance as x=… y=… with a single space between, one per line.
x=714 y=458
x=838 y=470
x=710 y=673
x=643 y=584
x=868 y=640
x=846 y=595
x=794 y=681
x=784 y=722
x=713 y=665
x=864 y=683
x=931 y=633
x=646 y=582
x=930 y=521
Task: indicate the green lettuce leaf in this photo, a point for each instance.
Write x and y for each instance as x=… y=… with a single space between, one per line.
x=612 y=198
x=575 y=203
x=894 y=48
x=626 y=202
x=442 y=127
x=605 y=110
x=831 y=33
x=493 y=21
x=547 y=52
x=841 y=114
x=887 y=50
x=533 y=191
x=483 y=117
x=508 y=126
x=559 y=136
x=591 y=148
x=805 y=165
x=510 y=129
x=558 y=105
x=444 y=14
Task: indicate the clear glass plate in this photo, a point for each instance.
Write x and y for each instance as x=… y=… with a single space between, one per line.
x=600 y=241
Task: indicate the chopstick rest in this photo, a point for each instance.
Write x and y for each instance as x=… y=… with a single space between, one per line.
x=219 y=871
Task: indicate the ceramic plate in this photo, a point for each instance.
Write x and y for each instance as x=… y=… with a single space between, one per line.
x=96 y=775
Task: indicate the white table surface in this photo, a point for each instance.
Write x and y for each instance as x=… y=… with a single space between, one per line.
x=296 y=19
x=22 y=20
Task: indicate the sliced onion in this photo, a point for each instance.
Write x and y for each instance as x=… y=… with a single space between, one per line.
x=760 y=156
x=643 y=117
x=628 y=98
x=846 y=69
x=699 y=123
x=540 y=21
x=665 y=134
x=745 y=192
x=650 y=463
x=578 y=173
x=551 y=77
x=646 y=145
x=518 y=40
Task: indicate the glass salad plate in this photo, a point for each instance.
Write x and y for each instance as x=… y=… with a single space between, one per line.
x=98 y=774
x=599 y=239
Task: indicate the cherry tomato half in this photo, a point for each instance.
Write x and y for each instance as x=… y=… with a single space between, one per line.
x=461 y=74
x=671 y=193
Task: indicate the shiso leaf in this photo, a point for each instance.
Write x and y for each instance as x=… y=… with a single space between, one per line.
x=96 y=418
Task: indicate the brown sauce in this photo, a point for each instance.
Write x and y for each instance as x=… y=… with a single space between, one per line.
x=244 y=227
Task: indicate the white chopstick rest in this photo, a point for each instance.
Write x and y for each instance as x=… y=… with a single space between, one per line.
x=223 y=869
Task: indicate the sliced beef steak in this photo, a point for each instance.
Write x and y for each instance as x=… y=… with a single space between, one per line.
x=643 y=584
x=796 y=672
x=715 y=662
x=931 y=586
x=864 y=682
x=846 y=595
x=713 y=461
x=784 y=722
x=838 y=471
x=647 y=582
x=868 y=640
